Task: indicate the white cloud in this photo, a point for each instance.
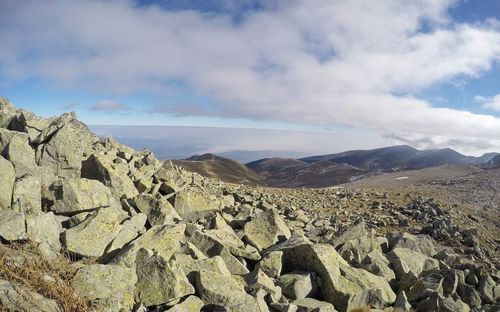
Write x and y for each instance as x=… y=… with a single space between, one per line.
x=318 y=62
x=489 y=102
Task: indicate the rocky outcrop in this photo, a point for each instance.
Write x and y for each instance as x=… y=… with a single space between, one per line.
x=147 y=236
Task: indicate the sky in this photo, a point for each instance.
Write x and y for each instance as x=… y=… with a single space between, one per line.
x=363 y=73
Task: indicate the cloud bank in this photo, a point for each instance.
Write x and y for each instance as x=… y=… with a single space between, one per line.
x=352 y=62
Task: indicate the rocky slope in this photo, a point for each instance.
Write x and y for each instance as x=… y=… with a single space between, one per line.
x=140 y=235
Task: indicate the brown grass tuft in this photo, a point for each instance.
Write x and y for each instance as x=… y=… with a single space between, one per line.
x=49 y=278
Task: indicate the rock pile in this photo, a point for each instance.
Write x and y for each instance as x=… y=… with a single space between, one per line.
x=168 y=240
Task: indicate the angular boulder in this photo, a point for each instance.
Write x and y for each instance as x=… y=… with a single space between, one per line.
x=191 y=304
x=404 y=261
x=21 y=155
x=266 y=229
x=194 y=203
x=44 y=230
x=12 y=225
x=79 y=195
x=7 y=180
x=157 y=208
x=27 y=195
x=17 y=298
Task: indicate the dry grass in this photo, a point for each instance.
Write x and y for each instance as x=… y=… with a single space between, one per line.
x=49 y=278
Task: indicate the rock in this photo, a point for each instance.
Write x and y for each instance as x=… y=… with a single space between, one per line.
x=62 y=146
x=425 y=287
x=164 y=239
x=376 y=263
x=211 y=242
x=18 y=298
x=91 y=237
x=158 y=209
x=104 y=170
x=298 y=285
x=29 y=123
x=447 y=304
x=130 y=229
x=78 y=195
x=401 y=302
x=7 y=180
x=21 y=155
x=159 y=281
x=190 y=266
x=266 y=229
x=44 y=231
x=7 y=112
x=283 y=307
x=488 y=289
x=343 y=286
x=108 y=287
x=351 y=233
x=313 y=305
x=406 y=261
x=469 y=295
x=27 y=195
x=224 y=292
x=272 y=264
x=12 y=225
x=257 y=279
x=355 y=250
x=420 y=243
x=194 y=203
x=191 y=304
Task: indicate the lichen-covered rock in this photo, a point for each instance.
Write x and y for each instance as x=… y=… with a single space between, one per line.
x=18 y=298
x=375 y=262
x=194 y=203
x=44 y=231
x=224 y=292
x=29 y=123
x=191 y=304
x=79 y=195
x=266 y=229
x=425 y=287
x=12 y=225
x=272 y=264
x=91 y=237
x=406 y=261
x=420 y=243
x=27 y=195
x=21 y=155
x=343 y=286
x=108 y=287
x=164 y=239
x=159 y=281
x=298 y=285
x=7 y=112
x=157 y=208
x=313 y=305
x=103 y=169
x=130 y=229
x=7 y=180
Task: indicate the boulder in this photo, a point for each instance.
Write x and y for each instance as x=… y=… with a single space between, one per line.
x=157 y=208
x=12 y=225
x=313 y=305
x=211 y=242
x=401 y=303
x=488 y=289
x=469 y=295
x=27 y=195
x=103 y=169
x=420 y=243
x=130 y=229
x=266 y=229
x=224 y=292
x=7 y=180
x=298 y=285
x=18 y=298
x=194 y=203
x=21 y=155
x=406 y=261
x=164 y=239
x=343 y=286
x=91 y=237
x=44 y=231
x=258 y=280
x=425 y=287
x=158 y=280
x=78 y=195
x=191 y=304
x=108 y=287
x=7 y=112
x=29 y=123
x=272 y=264
x=375 y=262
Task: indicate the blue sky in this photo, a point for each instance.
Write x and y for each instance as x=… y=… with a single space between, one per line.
x=424 y=73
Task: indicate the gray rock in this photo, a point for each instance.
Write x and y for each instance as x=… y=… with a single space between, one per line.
x=159 y=281
x=425 y=287
x=401 y=302
x=27 y=195
x=266 y=229
x=7 y=112
x=469 y=295
x=191 y=304
x=12 y=225
x=108 y=287
x=158 y=209
x=298 y=285
x=21 y=155
x=18 y=298
x=195 y=203
x=406 y=261
x=375 y=262
x=91 y=237
x=44 y=231
x=7 y=180
x=164 y=239
x=272 y=264
x=313 y=305
x=488 y=289
x=79 y=195
x=130 y=229
x=420 y=243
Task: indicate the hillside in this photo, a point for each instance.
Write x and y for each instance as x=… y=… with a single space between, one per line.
x=89 y=224
x=213 y=166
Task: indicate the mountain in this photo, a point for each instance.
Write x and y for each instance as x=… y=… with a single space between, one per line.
x=331 y=169
x=214 y=166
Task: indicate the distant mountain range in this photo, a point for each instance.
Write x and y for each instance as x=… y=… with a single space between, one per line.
x=331 y=169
